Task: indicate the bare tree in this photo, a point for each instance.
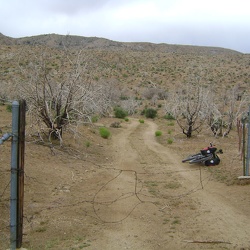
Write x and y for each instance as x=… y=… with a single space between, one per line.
x=59 y=96
x=225 y=108
x=7 y=91
x=130 y=105
x=110 y=97
x=188 y=104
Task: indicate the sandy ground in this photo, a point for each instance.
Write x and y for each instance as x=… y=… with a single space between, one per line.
x=127 y=192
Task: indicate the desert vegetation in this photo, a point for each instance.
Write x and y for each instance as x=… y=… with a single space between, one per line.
x=115 y=121
x=66 y=83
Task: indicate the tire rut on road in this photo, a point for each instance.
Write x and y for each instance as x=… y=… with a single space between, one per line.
x=158 y=201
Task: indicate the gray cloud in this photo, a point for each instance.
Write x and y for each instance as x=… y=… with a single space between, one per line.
x=159 y=21
x=74 y=6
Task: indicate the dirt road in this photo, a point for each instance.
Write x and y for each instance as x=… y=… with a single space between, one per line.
x=154 y=201
x=127 y=192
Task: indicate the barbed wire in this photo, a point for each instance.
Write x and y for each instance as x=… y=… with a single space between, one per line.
x=200 y=186
x=137 y=192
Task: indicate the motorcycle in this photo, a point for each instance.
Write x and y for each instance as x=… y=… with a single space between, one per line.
x=208 y=156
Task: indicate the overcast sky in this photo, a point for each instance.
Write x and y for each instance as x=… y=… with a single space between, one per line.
x=220 y=23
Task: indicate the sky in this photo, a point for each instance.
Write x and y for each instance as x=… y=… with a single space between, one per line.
x=217 y=23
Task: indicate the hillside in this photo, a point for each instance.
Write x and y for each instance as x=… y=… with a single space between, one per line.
x=6 y=40
x=135 y=65
x=134 y=70
x=58 y=41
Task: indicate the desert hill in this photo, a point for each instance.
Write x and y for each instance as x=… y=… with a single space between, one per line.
x=138 y=70
x=6 y=40
x=58 y=41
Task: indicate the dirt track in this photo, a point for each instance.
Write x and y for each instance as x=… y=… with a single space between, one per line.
x=140 y=196
x=183 y=204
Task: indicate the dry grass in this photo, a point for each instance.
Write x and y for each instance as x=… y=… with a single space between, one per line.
x=134 y=72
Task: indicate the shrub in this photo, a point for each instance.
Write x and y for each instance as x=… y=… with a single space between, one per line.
x=9 y=108
x=123 y=97
x=150 y=113
x=126 y=119
x=104 y=132
x=143 y=112
x=170 y=123
x=120 y=113
x=169 y=116
x=141 y=121
x=170 y=140
x=94 y=118
x=115 y=125
x=158 y=133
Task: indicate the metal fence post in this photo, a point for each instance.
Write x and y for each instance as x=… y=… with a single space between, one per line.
x=14 y=164
x=248 y=145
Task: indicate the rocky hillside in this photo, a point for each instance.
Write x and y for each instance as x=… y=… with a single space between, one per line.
x=58 y=41
x=6 y=40
x=137 y=69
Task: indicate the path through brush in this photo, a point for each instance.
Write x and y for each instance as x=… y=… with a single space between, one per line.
x=154 y=201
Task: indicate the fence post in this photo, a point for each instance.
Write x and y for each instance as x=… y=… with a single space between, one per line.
x=20 y=184
x=244 y=145
x=248 y=145
x=14 y=163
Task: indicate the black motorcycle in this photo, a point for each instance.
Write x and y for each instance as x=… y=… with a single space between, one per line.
x=207 y=156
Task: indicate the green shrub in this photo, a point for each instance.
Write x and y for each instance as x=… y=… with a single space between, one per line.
x=150 y=113
x=158 y=133
x=9 y=107
x=87 y=144
x=123 y=97
x=104 y=132
x=126 y=119
x=169 y=116
x=144 y=110
x=120 y=113
x=141 y=121
x=170 y=140
x=94 y=118
x=171 y=123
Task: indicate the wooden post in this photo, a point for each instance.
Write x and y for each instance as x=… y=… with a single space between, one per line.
x=244 y=147
x=20 y=184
